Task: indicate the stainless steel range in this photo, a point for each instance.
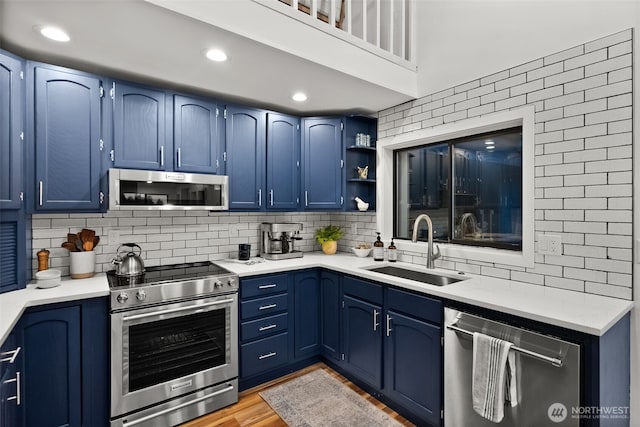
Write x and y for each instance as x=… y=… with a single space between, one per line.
x=174 y=344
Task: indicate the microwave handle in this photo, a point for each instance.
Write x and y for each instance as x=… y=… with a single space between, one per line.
x=176 y=310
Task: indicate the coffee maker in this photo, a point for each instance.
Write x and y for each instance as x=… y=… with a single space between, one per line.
x=278 y=240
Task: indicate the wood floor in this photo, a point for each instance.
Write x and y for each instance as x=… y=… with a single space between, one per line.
x=251 y=410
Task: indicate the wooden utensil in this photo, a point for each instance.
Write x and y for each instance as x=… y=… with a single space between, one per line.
x=71 y=247
x=87 y=246
x=96 y=240
x=87 y=235
x=79 y=245
x=71 y=238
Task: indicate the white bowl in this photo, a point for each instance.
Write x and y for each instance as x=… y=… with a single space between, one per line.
x=361 y=252
x=48 y=279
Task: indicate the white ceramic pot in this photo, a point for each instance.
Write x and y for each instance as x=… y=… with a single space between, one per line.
x=82 y=264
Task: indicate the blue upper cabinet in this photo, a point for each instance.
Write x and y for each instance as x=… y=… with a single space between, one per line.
x=283 y=162
x=322 y=163
x=245 y=129
x=67 y=120
x=140 y=120
x=11 y=130
x=198 y=136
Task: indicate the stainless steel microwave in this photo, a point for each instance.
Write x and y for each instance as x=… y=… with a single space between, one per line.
x=131 y=189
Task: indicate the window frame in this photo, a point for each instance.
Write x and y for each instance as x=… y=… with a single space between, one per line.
x=524 y=117
x=451 y=145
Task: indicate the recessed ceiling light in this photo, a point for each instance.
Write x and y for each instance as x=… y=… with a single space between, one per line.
x=54 y=33
x=216 y=55
x=489 y=142
x=299 y=97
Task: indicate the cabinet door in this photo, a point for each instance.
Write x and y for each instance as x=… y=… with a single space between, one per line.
x=11 y=125
x=51 y=380
x=140 y=128
x=9 y=388
x=330 y=314
x=413 y=366
x=323 y=180
x=362 y=346
x=306 y=312
x=197 y=136
x=283 y=161
x=67 y=140
x=245 y=158
x=13 y=250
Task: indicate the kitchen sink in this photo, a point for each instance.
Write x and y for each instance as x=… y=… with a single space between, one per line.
x=419 y=276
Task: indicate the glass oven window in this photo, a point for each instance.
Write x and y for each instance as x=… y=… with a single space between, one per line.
x=172 y=348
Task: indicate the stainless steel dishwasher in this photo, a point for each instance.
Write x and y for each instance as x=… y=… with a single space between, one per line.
x=547 y=370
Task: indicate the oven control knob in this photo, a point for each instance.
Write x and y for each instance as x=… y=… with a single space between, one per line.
x=141 y=295
x=231 y=282
x=122 y=297
x=217 y=284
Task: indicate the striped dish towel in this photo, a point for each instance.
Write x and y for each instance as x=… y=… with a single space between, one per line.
x=494 y=376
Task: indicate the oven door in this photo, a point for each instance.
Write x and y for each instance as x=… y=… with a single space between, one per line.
x=166 y=351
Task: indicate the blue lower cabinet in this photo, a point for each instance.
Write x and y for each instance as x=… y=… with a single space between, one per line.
x=362 y=340
x=330 y=315
x=413 y=366
x=306 y=314
x=9 y=377
x=264 y=326
x=264 y=306
x=260 y=356
x=64 y=365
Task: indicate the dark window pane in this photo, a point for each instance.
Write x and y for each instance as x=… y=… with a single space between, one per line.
x=422 y=176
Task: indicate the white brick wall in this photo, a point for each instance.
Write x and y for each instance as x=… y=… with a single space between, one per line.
x=583 y=165
x=170 y=237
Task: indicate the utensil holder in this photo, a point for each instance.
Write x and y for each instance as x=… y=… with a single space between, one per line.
x=82 y=264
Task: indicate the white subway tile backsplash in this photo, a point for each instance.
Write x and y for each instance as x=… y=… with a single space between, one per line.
x=586 y=59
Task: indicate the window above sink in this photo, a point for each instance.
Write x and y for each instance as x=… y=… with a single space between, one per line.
x=471 y=219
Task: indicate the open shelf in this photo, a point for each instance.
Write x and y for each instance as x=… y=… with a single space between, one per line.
x=361 y=148
x=361 y=180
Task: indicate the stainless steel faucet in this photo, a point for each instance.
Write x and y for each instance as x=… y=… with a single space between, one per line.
x=430 y=255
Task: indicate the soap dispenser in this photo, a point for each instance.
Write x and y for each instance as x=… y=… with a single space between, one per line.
x=378 y=249
x=392 y=252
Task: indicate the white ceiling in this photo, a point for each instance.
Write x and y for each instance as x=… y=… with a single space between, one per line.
x=136 y=40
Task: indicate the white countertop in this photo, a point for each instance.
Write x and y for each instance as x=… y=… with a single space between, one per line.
x=591 y=314
x=13 y=304
x=578 y=311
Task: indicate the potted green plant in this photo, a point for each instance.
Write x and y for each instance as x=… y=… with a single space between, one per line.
x=328 y=237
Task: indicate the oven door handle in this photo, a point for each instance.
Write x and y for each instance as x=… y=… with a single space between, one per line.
x=176 y=310
x=175 y=408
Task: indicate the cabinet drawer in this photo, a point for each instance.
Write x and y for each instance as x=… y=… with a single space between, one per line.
x=263 y=306
x=265 y=285
x=264 y=327
x=264 y=354
x=363 y=289
x=419 y=306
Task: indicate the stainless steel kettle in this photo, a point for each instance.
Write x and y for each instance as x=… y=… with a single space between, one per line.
x=127 y=262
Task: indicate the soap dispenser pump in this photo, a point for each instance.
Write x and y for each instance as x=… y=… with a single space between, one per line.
x=378 y=249
x=392 y=252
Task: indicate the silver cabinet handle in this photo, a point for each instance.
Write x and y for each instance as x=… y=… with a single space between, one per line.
x=267 y=307
x=266 y=328
x=260 y=197
x=272 y=285
x=179 y=157
x=388 y=325
x=10 y=356
x=176 y=310
x=268 y=355
x=162 y=155
x=306 y=198
x=41 y=192
x=177 y=407
x=271 y=197
x=376 y=313
x=16 y=380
